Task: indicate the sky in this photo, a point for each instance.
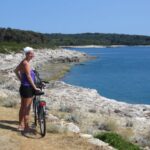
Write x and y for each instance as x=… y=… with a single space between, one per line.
x=77 y=16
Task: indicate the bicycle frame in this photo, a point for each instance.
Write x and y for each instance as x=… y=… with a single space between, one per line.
x=39 y=114
x=39 y=106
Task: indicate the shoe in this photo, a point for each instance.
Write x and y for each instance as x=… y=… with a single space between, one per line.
x=29 y=130
x=20 y=128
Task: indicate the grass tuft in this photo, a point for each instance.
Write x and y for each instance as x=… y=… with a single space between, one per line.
x=9 y=103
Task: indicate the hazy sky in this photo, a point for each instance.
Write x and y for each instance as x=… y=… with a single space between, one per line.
x=77 y=16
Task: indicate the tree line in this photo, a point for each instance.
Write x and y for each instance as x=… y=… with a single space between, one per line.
x=15 y=39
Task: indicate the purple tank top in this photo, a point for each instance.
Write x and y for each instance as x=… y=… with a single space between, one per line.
x=24 y=80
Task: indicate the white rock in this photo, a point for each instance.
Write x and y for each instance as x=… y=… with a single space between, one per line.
x=8 y=57
x=52 y=118
x=87 y=136
x=72 y=128
x=100 y=143
x=3 y=95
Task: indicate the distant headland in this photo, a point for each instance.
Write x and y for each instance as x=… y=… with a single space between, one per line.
x=15 y=40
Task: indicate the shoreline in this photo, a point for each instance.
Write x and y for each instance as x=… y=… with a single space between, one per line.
x=104 y=46
x=51 y=58
x=95 y=113
x=93 y=46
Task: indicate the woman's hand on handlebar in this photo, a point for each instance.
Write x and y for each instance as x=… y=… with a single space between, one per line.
x=37 y=89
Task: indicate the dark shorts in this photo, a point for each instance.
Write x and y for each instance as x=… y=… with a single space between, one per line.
x=26 y=91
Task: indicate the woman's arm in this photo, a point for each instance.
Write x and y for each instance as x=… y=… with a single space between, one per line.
x=17 y=72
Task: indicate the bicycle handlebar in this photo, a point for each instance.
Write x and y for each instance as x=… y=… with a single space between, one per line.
x=38 y=93
x=46 y=82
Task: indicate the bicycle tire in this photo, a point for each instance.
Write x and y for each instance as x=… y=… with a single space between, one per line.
x=42 y=121
x=35 y=116
x=35 y=111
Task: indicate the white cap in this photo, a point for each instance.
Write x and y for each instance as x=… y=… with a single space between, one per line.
x=27 y=49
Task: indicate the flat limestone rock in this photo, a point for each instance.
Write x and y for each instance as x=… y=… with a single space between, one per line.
x=87 y=136
x=100 y=143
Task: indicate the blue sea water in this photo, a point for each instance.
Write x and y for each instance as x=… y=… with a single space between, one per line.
x=121 y=73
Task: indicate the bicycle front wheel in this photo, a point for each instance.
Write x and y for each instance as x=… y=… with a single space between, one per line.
x=42 y=121
x=35 y=111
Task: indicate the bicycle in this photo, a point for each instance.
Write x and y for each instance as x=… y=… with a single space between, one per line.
x=39 y=106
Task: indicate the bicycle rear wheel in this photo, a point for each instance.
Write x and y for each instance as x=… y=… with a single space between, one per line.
x=42 y=121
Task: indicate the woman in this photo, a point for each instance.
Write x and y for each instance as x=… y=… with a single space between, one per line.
x=26 y=76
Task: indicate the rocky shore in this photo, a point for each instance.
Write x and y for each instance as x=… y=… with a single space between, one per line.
x=85 y=107
x=94 y=46
x=8 y=62
x=9 y=84
x=95 y=113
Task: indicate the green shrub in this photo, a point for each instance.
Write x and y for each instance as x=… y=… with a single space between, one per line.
x=9 y=47
x=12 y=46
x=116 y=141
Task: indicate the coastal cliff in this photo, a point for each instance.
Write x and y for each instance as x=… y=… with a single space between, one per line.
x=85 y=107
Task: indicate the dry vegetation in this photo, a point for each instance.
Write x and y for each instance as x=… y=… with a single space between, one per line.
x=10 y=138
x=54 y=71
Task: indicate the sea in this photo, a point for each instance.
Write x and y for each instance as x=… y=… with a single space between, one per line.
x=120 y=73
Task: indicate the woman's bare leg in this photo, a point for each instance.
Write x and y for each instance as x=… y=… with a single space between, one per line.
x=27 y=107
x=21 y=114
